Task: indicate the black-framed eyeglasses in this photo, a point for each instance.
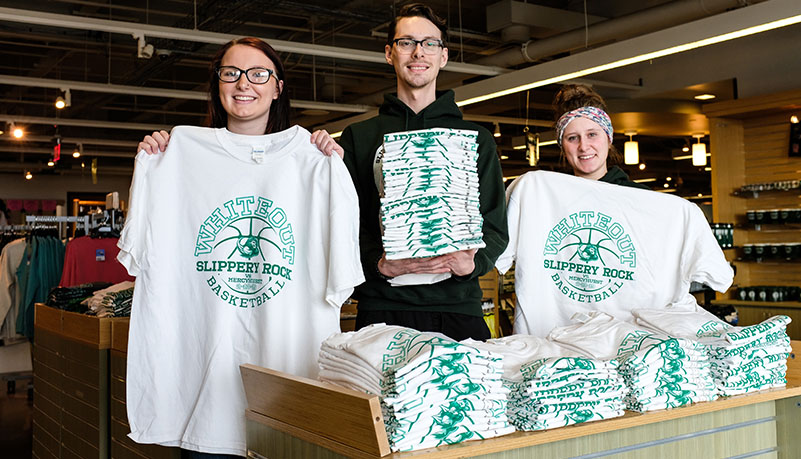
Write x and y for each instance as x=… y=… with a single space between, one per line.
x=256 y=75
x=408 y=45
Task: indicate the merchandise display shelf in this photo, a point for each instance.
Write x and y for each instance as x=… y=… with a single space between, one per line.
x=294 y=417
x=765 y=304
x=71 y=384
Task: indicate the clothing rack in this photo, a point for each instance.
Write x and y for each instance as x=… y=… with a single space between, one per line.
x=60 y=220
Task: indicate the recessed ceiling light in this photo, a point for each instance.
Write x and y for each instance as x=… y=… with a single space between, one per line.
x=642 y=166
x=704 y=96
x=51 y=163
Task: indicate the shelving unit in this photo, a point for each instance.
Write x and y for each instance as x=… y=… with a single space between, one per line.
x=749 y=141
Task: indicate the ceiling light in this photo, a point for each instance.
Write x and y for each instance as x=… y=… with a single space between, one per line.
x=18 y=133
x=685 y=148
x=793 y=119
x=704 y=97
x=65 y=100
x=144 y=50
x=667 y=190
x=667 y=185
x=700 y=195
x=699 y=151
x=645 y=180
x=51 y=163
x=669 y=178
x=28 y=175
x=708 y=169
x=504 y=157
x=631 y=150
x=764 y=16
x=78 y=151
x=642 y=166
x=497 y=132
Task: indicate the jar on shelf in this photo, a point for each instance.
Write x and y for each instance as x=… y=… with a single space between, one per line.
x=748 y=252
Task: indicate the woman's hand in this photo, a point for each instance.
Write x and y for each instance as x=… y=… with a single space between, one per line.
x=326 y=144
x=155 y=142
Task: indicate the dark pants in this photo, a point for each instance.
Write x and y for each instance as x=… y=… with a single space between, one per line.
x=187 y=454
x=453 y=325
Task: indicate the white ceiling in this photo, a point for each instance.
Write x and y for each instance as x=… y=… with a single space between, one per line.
x=652 y=97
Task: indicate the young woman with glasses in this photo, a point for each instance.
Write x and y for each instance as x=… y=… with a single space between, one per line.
x=247 y=95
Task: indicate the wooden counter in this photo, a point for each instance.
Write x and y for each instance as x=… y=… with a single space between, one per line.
x=293 y=417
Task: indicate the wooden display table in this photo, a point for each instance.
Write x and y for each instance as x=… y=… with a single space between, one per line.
x=70 y=398
x=292 y=417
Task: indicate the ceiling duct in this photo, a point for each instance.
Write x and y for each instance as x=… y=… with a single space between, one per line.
x=624 y=27
x=519 y=22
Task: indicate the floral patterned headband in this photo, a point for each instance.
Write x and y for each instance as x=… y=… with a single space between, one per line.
x=591 y=113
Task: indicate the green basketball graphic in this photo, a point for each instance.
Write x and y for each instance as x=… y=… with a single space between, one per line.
x=245 y=251
x=589 y=256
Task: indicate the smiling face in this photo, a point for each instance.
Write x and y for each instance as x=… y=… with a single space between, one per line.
x=586 y=148
x=416 y=70
x=248 y=104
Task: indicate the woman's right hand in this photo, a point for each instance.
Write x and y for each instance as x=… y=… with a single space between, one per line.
x=155 y=142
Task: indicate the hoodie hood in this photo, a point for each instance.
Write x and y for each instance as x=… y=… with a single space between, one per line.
x=443 y=107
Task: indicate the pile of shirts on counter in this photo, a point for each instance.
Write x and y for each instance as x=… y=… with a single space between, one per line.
x=430 y=202
x=98 y=298
x=660 y=372
x=552 y=386
x=433 y=391
x=743 y=359
x=71 y=298
x=114 y=301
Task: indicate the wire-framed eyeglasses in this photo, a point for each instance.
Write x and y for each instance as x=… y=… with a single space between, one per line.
x=408 y=45
x=256 y=75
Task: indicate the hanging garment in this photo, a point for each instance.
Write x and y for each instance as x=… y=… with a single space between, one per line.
x=243 y=249
x=38 y=272
x=582 y=245
x=10 y=259
x=92 y=260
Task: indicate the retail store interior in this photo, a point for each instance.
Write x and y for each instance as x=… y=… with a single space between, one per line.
x=82 y=82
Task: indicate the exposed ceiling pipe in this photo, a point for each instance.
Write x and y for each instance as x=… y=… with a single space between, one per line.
x=199 y=36
x=84 y=123
x=644 y=21
x=159 y=92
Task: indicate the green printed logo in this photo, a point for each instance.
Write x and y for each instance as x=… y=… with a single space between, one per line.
x=713 y=328
x=245 y=251
x=635 y=341
x=590 y=256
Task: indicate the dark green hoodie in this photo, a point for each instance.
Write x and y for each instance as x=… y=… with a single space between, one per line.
x=617 y=176
x=361 y=141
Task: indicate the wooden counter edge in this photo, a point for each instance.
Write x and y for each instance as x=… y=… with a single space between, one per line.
x=526 y=439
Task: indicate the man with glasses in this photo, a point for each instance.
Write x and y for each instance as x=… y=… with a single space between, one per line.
x=416 y=48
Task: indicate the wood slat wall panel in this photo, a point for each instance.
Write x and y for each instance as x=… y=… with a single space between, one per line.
x=752 y=138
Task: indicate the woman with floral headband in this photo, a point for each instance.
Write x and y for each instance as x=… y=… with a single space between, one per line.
x=584 y=133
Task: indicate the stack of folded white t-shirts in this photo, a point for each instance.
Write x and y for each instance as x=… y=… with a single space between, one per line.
x=434 y=391
x=743 y=359
x=660 y=372
x=552 y=386
x=114 y=301
x=429 y=204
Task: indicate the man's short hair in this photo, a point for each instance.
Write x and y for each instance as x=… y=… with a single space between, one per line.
x=418 y=10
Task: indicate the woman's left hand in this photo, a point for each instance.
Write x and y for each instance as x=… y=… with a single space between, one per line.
x=326 y=143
